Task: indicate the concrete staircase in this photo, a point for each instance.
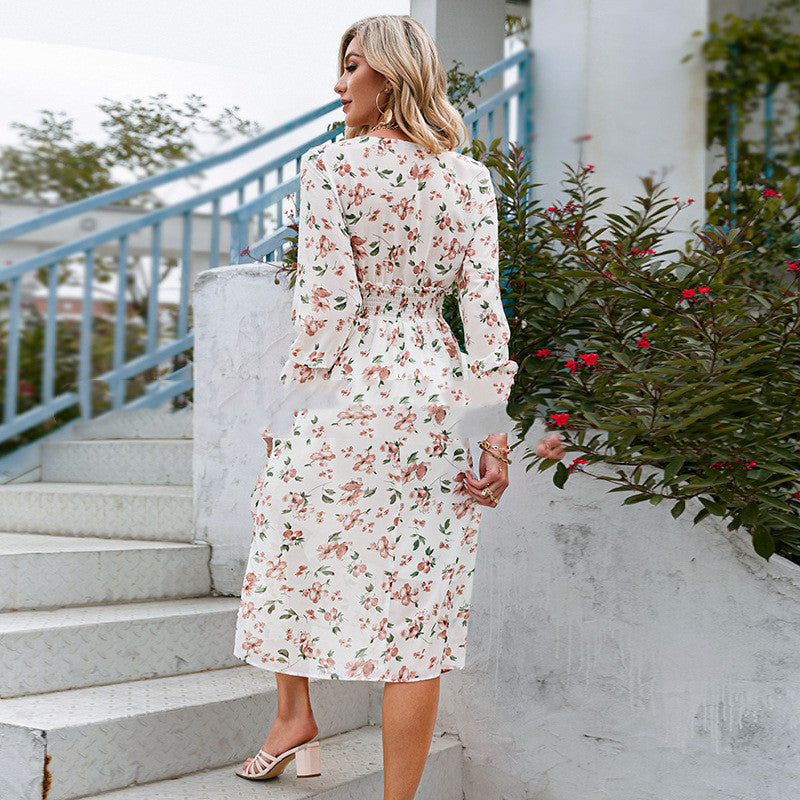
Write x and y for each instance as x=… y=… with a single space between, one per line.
x=117 y=678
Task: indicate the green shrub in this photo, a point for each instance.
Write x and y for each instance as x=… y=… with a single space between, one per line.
x=669 y=372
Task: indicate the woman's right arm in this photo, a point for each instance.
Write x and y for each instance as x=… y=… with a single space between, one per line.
x=487 y=333
x=486 y=330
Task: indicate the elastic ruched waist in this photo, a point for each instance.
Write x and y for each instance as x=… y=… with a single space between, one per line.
x=401 y=300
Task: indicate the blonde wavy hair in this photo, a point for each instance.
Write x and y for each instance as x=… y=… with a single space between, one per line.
x=402 y=51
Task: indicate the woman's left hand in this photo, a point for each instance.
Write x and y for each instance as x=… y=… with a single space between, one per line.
x=494 y=478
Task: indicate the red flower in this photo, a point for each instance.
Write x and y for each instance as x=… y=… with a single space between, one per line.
x=690 y=200
x=559 y=419
x=771 y=193
x=643 y=341
x=688 y=293
x=794 y=266
x=572 y=365
x=589 y=358
x=543 y=353
x=574 y=465
x=703 y=289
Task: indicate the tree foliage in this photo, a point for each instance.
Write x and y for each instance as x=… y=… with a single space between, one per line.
x=52 y=163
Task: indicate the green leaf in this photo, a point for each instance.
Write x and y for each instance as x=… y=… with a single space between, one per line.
x=750 y=513
x=717 y=509
x=672 y=469
x=560 y=476
x=763 y=543
x=678 y=508
x=636 y=498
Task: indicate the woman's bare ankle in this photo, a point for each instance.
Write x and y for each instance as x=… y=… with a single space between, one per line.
x=287 y=732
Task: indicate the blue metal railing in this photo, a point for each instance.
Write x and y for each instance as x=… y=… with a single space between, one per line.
x=733 y=138
x=247 y=221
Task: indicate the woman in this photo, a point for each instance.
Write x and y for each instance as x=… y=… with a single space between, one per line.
x=367 y=513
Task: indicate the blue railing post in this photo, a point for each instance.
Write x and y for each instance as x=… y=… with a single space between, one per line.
x=155 y=280
x=87 y=318
x=769 y=132
x=733 y=156
x=524 y=114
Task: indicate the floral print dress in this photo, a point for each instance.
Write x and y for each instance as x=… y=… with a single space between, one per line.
x=364 y=539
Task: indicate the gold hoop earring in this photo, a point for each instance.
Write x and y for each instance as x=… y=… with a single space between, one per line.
x=382 y=111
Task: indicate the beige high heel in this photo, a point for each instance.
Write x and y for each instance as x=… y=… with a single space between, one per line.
x=263 y=766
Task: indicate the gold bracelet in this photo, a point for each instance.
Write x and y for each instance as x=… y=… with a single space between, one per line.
x=499 y=448
x=498 y=456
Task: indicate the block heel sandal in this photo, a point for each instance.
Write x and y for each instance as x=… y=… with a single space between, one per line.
x=264 y=766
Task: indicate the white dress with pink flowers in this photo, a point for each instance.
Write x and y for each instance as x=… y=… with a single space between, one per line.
x=364 y=539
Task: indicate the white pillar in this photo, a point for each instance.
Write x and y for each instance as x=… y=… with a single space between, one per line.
x=470 y=32
x=612 y=70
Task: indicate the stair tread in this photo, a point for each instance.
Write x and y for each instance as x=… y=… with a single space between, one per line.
x=73 y=708
x=346 y=759
x=177 y=490
x=73 y=616
x=13 y=543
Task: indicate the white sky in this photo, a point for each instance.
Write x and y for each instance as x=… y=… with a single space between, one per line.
x=274 y=59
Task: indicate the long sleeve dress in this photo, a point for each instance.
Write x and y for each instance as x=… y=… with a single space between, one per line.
x=364 y=538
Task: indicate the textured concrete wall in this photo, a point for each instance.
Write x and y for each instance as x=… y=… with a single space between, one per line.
x=613 y=652
x=618 y=653
x=242 y=334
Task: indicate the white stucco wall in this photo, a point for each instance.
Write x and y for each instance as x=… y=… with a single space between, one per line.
x=242 y=333
x=613 y=652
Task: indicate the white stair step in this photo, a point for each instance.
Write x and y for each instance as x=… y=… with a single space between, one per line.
x=351 y=770
x=40 y=571
x=97 y=509
x=67 y=648
x=88 y=741
x=151 y=461
x=138 y=423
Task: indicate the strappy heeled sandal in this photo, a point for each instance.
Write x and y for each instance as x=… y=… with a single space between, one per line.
x=264 y=765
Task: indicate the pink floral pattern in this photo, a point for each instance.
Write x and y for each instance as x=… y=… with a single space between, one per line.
x=364 y=539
